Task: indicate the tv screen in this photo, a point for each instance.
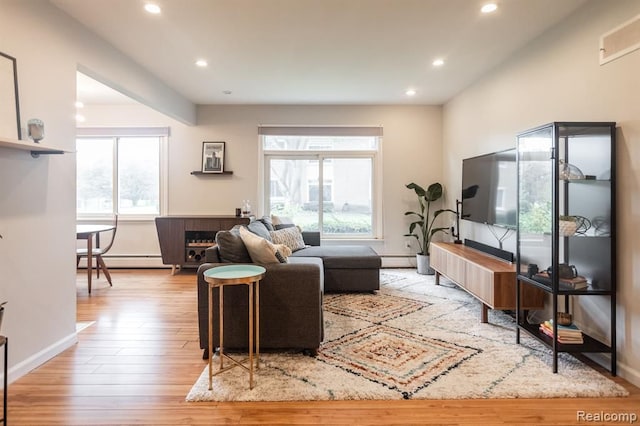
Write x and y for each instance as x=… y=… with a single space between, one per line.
x=489 y=188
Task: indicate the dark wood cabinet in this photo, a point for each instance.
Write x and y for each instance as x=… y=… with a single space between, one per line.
x=183 y=239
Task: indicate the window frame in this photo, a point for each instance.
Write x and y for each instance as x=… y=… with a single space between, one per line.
x=114 y=134
x=375 y=155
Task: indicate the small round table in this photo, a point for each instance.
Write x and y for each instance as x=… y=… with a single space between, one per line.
x=219 y=277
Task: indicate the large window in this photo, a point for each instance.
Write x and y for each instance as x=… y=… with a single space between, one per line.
x=119 y=174
x=323 y=182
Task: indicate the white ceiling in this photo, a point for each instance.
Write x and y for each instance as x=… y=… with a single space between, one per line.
x=318 y=51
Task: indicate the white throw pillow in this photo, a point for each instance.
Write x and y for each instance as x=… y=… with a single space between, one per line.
x=263 y=251
x=279 y=220
x=290 y=237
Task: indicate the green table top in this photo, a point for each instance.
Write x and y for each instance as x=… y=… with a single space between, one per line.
x=234 y=271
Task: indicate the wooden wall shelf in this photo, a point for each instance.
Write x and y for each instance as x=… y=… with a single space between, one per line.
x=36 y=149
x=199 y=173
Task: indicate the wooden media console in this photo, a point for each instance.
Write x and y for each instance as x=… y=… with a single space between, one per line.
x=490 y=280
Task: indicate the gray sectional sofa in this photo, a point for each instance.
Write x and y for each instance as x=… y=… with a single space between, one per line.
x=290 y=293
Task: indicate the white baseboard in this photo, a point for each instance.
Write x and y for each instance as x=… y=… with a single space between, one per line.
x=623 y=370
x=130 y=262
x=156 y=262
x=36 y=360
x=398 y=262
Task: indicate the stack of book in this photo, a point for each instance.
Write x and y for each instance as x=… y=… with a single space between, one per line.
x=567 y=334
x=565 y=283
x=574 y=283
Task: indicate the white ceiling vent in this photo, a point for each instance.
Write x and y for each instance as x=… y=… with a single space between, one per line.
x=621 y=40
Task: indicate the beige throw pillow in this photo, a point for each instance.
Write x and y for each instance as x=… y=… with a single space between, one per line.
x=290 y=237
x=279 y=220
x=263 y=251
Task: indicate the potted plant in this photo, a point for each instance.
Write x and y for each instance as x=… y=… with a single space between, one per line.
x=425 y=223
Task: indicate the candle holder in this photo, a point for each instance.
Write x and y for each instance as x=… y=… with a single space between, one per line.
x=35 y=128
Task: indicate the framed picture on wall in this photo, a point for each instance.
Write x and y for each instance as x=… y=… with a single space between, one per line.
x=212 y=157
x=9 y=109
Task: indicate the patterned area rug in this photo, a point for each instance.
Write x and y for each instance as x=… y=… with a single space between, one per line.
x=412 y=340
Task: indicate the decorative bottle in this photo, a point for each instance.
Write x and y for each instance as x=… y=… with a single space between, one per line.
x=246 y=208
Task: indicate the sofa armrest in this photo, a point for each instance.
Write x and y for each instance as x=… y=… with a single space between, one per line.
x=293 y=288
x=212 y=255
x=311 y=238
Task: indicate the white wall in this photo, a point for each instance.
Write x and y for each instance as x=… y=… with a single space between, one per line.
x=411 y=152
x=558 y=78
x=37 y=196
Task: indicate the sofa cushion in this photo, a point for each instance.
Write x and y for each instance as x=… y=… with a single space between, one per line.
x=259 y=229
x=263 y=251
x=343 y=257
x=290 y=237
x=231 y=248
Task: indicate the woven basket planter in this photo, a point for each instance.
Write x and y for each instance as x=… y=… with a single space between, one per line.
x=567 y=228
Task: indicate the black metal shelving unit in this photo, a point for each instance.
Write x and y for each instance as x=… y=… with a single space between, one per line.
x=566 y=170
x=5 y=342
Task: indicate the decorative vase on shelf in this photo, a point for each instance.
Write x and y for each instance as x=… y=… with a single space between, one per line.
x=35 y=128
x=568 y=171
x=567 y=226
x=246 y=208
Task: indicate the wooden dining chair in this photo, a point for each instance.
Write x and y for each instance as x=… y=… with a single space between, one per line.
x=98 y=252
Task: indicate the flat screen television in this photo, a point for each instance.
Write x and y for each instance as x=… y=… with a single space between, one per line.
x=489 y=189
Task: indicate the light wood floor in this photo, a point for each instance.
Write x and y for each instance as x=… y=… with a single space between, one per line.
x=136 y=364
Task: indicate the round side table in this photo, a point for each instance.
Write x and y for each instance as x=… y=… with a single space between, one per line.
x=221 y=276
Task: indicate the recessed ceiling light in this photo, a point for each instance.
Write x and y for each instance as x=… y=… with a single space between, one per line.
x=489 y=7
x=438 y=62
x=201 y=63
x=152 y=8
x=79 y=104
x=410 y=92
x=80 y=118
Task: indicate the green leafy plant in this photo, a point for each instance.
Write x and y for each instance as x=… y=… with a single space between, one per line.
x=425 y=222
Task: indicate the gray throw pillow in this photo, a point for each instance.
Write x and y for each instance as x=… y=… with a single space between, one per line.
x=283 y=226
x=231 y=247
x=266 y=220
x=259 y=229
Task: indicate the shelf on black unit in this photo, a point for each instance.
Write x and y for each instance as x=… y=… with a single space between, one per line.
x=563 y=290
x=590 y=344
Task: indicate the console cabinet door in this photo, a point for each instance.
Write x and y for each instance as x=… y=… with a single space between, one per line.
x=480 y=282
x=171 y=239
x=447 y=264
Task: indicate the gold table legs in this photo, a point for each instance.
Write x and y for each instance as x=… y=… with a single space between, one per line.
x=254 y=316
